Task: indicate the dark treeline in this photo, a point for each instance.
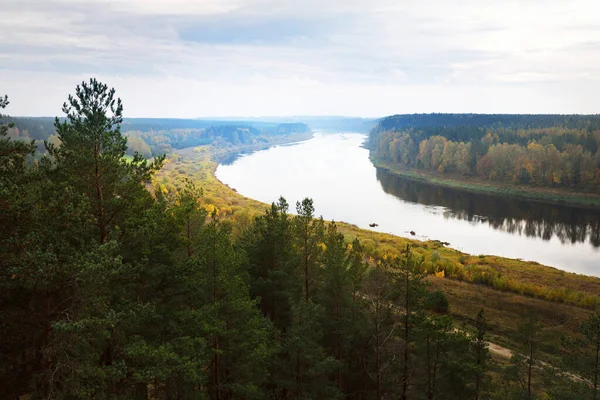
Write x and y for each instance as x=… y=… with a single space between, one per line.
x=507 y=121
x=544 y=150
x=110 y=291
x=155 y=136
x=512 y=215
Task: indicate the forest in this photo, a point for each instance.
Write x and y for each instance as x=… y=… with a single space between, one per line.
x=156 y=136
x=112 y=287
x=559 y=151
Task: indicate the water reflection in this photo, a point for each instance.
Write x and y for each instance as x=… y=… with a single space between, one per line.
x=532 y=219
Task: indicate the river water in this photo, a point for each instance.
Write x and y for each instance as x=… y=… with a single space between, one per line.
x=335 y=171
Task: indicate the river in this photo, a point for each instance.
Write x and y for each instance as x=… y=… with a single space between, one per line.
x=335 y=171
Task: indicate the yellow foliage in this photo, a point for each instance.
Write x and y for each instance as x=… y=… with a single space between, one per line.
x=210 y=208
x=440 y=274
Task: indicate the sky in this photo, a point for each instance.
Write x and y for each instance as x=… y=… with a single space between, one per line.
x=202 y=58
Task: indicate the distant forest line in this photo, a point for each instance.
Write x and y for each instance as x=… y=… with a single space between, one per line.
x=152 y=137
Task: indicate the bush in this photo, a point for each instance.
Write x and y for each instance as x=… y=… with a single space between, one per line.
x=437 y=301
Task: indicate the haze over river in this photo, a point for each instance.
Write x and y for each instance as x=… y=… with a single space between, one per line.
x=335 y=171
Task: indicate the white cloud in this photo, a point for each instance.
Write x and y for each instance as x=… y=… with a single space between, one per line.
x=190 y=58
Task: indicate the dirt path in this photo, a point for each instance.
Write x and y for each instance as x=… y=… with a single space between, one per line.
x=500 y=351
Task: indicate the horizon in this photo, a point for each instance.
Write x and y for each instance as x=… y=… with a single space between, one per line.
x=184 y=58
x=246 y=118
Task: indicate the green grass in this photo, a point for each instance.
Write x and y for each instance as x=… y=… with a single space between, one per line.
x=534 y=193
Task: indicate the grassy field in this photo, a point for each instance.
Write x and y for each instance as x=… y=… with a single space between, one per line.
x=534 y=193
x=508 y=290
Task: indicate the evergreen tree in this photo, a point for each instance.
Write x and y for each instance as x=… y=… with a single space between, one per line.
x=581 y=355
x=108 y=270
x=480 y=350
x=21 y=329
x=268 y=244
x=442 y=357
x=90 y=157
x=528 y=333
x=381 y=292
x=237 y=334
x=304 y=366
x=591 y=330
x=410 y=278
x=344 y=330
x=190 y=214
x=309 y=233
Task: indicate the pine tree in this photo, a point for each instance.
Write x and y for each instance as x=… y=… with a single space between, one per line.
x=268 y=244
x=344 y=329
x=303 y=365
x=309 y=233
x=435 y=344
x=90 y=157
x=109 y=285
x=411 y=275
x=582 y=356
x=528 y=333
x=238 y=335
x=20 y=330
x=190 y=215
x=480 y=350
x=381 y=293
x=591 y=330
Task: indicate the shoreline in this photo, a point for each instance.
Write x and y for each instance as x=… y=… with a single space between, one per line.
x=535 y=194
x=507 y=275
x=508 y=289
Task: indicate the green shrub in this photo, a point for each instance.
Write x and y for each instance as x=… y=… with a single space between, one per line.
x=437 y=301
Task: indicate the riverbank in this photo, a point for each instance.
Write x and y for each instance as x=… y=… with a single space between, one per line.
x=510 y=275
x=508 y=289
x=532 y=193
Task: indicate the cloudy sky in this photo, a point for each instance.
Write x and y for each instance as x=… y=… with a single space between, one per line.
x=193 y=58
